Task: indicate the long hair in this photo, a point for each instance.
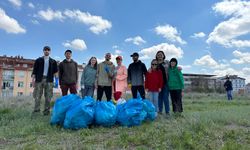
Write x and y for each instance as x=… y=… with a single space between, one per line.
x=158 y=53
x=89 y=63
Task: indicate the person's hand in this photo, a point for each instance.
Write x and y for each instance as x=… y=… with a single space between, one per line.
x=149 y=70
x=106 y=69
x=82 y=86
x=129 y=85
x=146 y=90
x=159 y=89
x=56 y=82
x=179 y=68
x=33 y=83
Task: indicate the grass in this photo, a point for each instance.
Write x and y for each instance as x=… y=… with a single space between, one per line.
x=208 y=122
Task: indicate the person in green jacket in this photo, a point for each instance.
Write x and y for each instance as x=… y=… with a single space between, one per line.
x=176 y=84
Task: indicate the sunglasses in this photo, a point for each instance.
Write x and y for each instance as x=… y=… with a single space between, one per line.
x=154 y=64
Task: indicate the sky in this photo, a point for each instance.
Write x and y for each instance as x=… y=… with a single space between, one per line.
x=206 y=36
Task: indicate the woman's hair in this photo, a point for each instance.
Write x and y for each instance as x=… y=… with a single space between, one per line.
x=89 y=63
x=158 y=53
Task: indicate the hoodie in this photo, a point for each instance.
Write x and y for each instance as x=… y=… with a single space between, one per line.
x=175 y=77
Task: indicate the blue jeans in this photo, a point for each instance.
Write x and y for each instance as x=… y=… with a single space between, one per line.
x=229 y=95
x=163 y=98
x=153 y=97
x=88 y=91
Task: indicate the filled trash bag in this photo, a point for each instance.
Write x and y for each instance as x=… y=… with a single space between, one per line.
x=105 y=113
x=61 y=106
x=131 y=113
x=149 y=108
x=81 y=115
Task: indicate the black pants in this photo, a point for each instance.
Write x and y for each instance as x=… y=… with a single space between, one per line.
x=140 y=89
x=176 y=99
x=106 y=89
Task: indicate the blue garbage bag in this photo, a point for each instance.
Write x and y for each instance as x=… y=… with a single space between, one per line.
x=61 y=106
x=81 y=115
x=149 y=108
x=131 y=113
x=105 y=113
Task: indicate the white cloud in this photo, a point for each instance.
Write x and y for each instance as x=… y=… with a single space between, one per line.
x=31 y=5
x=97 y=23
x=10 y=25
x=227 y=32
x=17 y=3
x=76 y=44
x=170 y=33
x=50 y=15
x=35 y=22
x=135 y=40
x=185 y=66
x=170 y=51
x=114 y=46
x=241 y=57
x=118 y=51
x=198 y=35
x=246 y=70
x=209 y=62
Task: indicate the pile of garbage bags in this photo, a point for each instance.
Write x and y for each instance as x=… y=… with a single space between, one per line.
x=73 y=112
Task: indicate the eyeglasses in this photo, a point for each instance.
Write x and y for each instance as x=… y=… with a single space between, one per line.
x=154 y=64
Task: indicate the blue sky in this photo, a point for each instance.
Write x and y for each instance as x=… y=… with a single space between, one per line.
x=206 y=36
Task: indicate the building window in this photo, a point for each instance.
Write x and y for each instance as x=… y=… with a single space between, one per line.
x=21 y=74
x=25 y=65
x=20 y=84
x=19 y=93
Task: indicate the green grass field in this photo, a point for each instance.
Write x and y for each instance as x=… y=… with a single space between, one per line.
x=208 y=122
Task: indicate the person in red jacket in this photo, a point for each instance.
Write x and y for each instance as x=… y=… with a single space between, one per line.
x=154 y=83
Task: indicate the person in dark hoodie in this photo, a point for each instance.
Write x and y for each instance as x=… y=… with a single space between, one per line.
x=68 y=74
x=136 y=73
x=229 y=88
x=176 y=84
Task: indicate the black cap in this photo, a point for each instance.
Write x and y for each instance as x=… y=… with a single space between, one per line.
x=135 y=54
x=46 y=48
x=68 y=50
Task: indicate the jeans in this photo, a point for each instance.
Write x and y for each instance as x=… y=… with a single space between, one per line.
x=163 y=98
x=229 y=95
x=140 y=89
x=176 y=99
x=153 y=97
x=106 y=89
x=88 y=91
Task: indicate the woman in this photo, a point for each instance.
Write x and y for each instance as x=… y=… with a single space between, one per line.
x=88 y=79
x=120 y=80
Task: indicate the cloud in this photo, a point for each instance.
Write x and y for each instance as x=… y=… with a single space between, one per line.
x=31 y=5
x=35 y=22
x=118 y=52
x=185 y=66
x=246 y=70
x=209 y=62
x=114 y=46
x=227 y=32
x=135 y=40
x=10 y=25
x=50 y=15
x=76 y=44
x=198 y=35
x=97 y=23
x=17 y=3
x=170 y=51
x=241 y=57
x=170 y=33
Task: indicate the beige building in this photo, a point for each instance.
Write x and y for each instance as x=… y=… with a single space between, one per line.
x=15 y=76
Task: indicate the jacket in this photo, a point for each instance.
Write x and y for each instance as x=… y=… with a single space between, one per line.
x=175 y=78
x=136 y=72
x=164 y=69
x=38 y=69
x=121 y=79
x=88 y=76
x=105 y=78
x=68 y=72
x=228 y=85
x=154 y=81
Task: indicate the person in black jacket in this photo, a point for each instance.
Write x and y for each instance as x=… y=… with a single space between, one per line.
x=136 y=73
x=44 y=71
x=229 y=88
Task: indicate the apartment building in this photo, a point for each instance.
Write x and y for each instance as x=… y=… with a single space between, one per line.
x=15 y=76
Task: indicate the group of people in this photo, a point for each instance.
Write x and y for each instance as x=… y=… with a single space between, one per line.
x=161 y=79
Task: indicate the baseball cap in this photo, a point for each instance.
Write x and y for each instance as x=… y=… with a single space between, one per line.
x=68 y=51
x=135 y=54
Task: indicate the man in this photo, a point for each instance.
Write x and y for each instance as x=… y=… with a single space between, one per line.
x=44 y=70
x=68 y=74
x=105 y=74
x=229 y=88
x=136 y=73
